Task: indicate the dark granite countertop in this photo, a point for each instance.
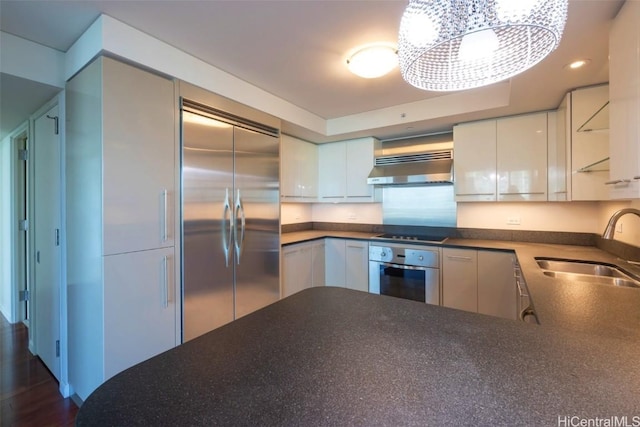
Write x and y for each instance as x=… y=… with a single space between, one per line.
x=337 y=357
x=585 y=307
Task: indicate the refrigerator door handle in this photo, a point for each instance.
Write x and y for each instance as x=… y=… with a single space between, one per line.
x=239 y=211
x=227 y=227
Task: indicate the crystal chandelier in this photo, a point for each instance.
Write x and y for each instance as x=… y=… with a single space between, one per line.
x=462 y=44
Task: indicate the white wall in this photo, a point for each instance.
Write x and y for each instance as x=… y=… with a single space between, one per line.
x=32 y=61
x=579 y=217
x=295 y=213
x=356 y=213
x=629 y=224
x=544 y=216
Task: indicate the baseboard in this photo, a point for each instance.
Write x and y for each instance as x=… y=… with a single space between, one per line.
x=65 y=389
x=76 y=399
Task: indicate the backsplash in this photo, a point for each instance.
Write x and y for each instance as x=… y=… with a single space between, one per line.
x=551 y=237
x=536 y=218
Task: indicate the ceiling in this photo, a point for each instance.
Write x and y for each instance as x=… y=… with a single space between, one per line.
x=296 y=50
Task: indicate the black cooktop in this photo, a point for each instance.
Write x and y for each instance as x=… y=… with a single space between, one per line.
x=413 y=237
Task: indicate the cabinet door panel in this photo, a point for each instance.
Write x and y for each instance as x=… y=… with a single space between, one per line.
x=308 y=170
x=299 y=170
x=359 y=165
x=624 y=93
x=333 y=171
x=140 y=293
x=335 y=253
x=522 y=157
x=460 y=279
x=357 y=265
x=497 y=293
x=296 y=265
x=318 y=263
x=475 y=161
x=138 y=162
x=288 y=167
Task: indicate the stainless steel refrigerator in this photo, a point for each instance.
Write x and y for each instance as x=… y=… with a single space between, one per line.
x=230 y=213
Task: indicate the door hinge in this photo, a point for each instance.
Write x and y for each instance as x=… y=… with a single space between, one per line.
x=23 y=225
x=24 y=295
x=57 y=348
x=23 y=155
x=57 y=237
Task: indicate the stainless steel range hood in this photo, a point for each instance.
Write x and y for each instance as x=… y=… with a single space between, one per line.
x=421 y=160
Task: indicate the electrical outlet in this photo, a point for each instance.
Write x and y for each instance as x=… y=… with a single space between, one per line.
x=513 y=220
x=619 y=227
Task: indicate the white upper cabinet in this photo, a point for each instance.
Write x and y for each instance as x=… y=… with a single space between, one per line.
x=502 y=159
x=343 y=170
x=359 y=164
x=299 y=170
x=589 y=143
x=138 y=120
x=332 y=171
x=522 y=157
x=559 y=152
x=624 y=93
x=475 y=161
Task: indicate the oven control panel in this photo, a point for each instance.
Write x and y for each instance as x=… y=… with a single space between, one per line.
x=405 y=255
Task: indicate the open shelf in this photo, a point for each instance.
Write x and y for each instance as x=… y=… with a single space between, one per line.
x=599 y=166
x=598 y=122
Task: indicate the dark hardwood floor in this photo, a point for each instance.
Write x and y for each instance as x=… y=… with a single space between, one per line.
x=29 y=393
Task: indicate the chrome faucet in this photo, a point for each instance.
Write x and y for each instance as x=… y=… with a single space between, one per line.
x=611 y=226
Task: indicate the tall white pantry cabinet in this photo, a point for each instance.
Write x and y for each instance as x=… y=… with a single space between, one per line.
x=121 y=163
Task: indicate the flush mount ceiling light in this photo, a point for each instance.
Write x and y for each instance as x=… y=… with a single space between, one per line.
x=374 y=60
x=577 y=64
x=462 y=44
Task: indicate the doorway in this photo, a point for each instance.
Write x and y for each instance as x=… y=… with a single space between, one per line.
x=13 y=224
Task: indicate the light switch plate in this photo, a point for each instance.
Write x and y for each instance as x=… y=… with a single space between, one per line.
x=513 y=220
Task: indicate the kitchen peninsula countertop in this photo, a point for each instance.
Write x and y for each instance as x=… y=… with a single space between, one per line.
x=584 y=307
x=330 y=356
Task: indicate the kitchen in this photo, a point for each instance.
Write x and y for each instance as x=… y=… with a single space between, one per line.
x=574 y=217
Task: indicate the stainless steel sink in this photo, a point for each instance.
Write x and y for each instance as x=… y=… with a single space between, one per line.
x=588 y=271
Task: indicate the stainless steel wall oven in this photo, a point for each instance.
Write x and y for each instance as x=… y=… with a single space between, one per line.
x=405 y=271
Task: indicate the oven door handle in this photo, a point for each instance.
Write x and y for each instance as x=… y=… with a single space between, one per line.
x=404 y=267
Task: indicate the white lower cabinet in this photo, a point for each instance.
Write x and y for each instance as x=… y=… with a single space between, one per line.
x=347 y=264
x=318 y=263
x=479 y=281
x=497 y=289
x=303 y=266
x=141 y=286
x=357 y=265
x=460 y=279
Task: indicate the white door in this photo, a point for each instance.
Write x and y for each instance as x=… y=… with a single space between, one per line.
x=46 y=229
